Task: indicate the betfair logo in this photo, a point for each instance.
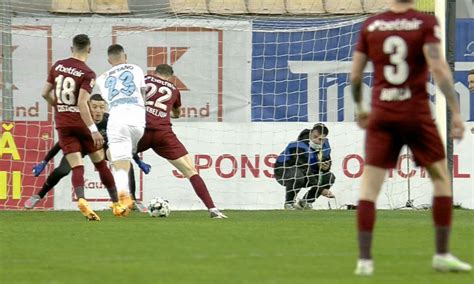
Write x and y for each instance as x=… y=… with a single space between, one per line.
x=396 y=25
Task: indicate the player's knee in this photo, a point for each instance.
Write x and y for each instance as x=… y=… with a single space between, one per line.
x=437 y=172
x=331 y=179
x=188 y=172
x=97 y=156
x=299 y=183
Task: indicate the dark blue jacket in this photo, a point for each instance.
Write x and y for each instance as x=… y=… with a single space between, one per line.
x=300 y=154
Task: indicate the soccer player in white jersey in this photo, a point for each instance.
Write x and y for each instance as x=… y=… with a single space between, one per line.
x=123 y=88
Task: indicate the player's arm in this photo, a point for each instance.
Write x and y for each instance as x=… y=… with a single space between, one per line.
x=83 y=105
x=444 y=79
x=47 y=94
x=359 y=61
x=442 y=74
x=326 y=164
x=176 y=109
x=175 y=112
x=301 y=157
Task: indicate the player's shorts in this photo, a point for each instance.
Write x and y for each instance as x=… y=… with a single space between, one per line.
x=123 y=140
x=164 y=143
x=76 y=139
x=384 y=140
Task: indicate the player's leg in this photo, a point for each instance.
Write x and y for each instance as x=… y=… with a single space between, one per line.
x=54 y=177
x=123 y=140
x=429 y=152
x=320 y=188
x=382 y=147
x=77 y=167
x=186 y=167
x=132 y=186
x=108 y=181
x=294 y=180
x=70 y=140
x=286 y=177
x=131 y=182
x=167 y=145
x=372 y=180
x=144 y=144
x=97 y=158
x=443 y=260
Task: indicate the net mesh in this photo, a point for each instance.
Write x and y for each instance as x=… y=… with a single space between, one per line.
x=250 y=80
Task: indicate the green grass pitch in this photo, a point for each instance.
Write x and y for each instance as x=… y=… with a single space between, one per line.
x=250 y=247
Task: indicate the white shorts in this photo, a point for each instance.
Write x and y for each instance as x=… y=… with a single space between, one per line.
x=123 y=140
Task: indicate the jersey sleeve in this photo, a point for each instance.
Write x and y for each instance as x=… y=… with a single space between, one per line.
x=432 y=32
x=88 y=82
x=177 y=103
x=362 y=45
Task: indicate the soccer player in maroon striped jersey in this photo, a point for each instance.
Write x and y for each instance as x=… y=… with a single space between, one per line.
x=98 y=107
x=72 y=81
x=402 y=43
x=163 y=100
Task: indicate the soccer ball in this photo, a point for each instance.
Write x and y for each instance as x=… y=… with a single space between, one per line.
x=158 y=207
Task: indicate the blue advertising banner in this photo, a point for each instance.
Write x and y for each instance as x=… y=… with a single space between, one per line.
x=300 y=69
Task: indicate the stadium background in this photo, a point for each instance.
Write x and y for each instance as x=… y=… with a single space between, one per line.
x=243 y=104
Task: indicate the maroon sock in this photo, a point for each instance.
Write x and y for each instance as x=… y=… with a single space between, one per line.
x=365 y=226
x=78 y=181
x=107 y=179
x=201 y=190
x=442 y=216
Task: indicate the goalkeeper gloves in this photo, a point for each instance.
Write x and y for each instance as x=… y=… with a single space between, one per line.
x=146 y=168
x=39 y=168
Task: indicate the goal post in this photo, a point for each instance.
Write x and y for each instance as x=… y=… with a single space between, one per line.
x=441 y=107
x=6 y=37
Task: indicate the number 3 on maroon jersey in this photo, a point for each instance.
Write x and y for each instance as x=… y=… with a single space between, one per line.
x=398 y=72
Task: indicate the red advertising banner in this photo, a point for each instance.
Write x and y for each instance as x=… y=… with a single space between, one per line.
x=22 y=145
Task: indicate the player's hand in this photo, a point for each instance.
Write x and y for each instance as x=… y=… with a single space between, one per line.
x=146 y=168
x=457 y=127
x=328 y=194
x=472 y=130
x=325 y=166
x=98 y=139
x=39 y=168
x=362 y=119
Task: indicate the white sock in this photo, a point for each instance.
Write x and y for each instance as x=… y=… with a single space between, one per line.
x=121 y=181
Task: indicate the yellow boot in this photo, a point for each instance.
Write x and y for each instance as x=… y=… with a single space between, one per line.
x=126 y=200
x=119 y=210
x=86 y=210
